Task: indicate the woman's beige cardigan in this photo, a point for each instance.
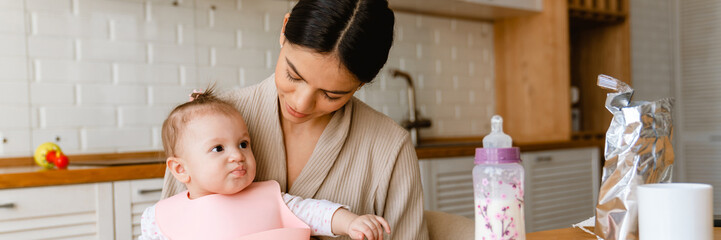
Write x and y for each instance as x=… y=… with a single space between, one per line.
x=363 y=160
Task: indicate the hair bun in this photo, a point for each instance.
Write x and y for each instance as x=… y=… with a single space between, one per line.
x=195 y=94
x=202 y=96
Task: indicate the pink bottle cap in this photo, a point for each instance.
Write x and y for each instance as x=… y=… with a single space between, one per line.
x=497 y=155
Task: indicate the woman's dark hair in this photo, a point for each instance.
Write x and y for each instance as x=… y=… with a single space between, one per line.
x=359 y=31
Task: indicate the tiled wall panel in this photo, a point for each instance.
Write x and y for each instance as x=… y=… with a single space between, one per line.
x=142 y=116
x=16 y=142
x=49 y=70
x=121 y=139
x=13 y=68
x=69 y=139
x=101 y=75
x=76 y=117
x=14 y=93
x=15 y=116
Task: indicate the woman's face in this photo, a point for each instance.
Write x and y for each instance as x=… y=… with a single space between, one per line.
x=311 y=85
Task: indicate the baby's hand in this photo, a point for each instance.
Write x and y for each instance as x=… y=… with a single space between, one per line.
x=370 y=226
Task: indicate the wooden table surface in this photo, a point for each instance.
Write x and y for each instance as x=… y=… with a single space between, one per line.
x=578 y=234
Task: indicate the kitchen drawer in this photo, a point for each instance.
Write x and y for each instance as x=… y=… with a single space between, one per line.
x=79 y=211
x=131 y=199
x=146 y=190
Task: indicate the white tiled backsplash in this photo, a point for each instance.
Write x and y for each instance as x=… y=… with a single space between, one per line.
x=101 y=75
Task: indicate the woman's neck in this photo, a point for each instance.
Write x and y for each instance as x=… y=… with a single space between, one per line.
x=300 y=140
x=308 y=127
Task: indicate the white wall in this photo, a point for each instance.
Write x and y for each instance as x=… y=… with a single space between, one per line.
x=652 y=49
x=101 y=75
x=677 y=48
x=699 y=92
x=655 y=59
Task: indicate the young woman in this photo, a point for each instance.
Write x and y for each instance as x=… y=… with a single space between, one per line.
x=209 y=151
x=310 y=133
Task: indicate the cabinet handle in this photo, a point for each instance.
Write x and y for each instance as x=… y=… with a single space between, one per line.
x=7 y=205
x=146 y=191
x=544 y=159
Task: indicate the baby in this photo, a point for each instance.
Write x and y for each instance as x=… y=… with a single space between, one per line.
x=209 y=150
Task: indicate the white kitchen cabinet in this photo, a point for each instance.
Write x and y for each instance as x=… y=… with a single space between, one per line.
x=474 y=9
x=69 y=211
x=95 y=211
x=131 y=199
x=448 y=185
x=561 y=186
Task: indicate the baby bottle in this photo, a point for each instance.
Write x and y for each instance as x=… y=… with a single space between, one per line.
x=498 y=187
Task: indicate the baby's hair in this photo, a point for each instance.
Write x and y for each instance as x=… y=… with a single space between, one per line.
x=204 y=102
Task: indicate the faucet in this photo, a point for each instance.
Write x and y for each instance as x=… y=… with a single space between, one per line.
x=413 y=123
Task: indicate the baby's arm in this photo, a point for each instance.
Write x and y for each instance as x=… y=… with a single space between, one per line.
x=327 y=218
x=149 y=229
x=318 y=214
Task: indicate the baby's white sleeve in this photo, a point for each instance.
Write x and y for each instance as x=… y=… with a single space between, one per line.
x=316 y=213
x=148 y=228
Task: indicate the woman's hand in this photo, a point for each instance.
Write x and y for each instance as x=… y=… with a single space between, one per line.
x=368 y=226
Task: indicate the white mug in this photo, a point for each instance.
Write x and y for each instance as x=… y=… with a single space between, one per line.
x=672 y=211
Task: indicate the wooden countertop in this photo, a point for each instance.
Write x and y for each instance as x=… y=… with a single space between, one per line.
x=578 y=234
x=24 y=176
x=440 y=150
x=22 y=172
x=89 y=168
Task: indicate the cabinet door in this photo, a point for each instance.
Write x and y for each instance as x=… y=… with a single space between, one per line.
x=131 y=199
x=561 y=187
x=532 y=83
x=71 y=211
x=448 y=185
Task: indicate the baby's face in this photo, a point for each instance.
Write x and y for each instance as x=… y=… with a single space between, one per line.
x=215 y=150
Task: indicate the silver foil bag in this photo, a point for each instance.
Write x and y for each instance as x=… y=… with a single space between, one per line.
x=638 y=151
